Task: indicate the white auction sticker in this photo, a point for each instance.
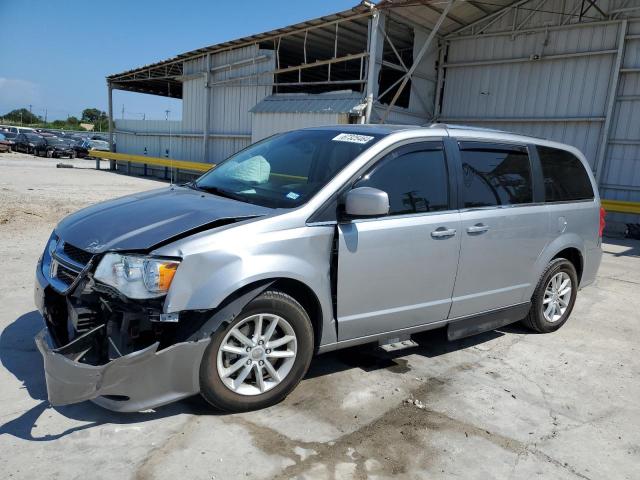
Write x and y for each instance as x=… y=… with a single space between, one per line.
x=352 y=138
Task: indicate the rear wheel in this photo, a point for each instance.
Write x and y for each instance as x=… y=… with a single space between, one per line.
x=260 y=357
x=554 y=297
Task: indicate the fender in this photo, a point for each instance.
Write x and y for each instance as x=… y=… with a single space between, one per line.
x=562 y=242
x=216 y=266
x=228 y=311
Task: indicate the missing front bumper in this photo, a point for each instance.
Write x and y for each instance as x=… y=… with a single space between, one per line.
x=144 y=379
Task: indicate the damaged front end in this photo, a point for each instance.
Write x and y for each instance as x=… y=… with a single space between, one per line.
x=99 y=345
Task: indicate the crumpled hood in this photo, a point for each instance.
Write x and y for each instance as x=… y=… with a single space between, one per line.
x=143 y=220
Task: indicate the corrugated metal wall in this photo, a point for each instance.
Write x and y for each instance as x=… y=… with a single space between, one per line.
x=508 y=81
x=229 y=104
x=133 y=136
x=534 y=97
x=621 y=173
x=266 y=124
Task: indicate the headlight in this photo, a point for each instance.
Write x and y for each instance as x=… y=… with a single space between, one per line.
x=137 y=276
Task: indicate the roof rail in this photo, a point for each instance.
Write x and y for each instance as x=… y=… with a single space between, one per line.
x=466 y=127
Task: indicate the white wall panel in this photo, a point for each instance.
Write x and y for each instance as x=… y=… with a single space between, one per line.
x=266 y=124
x=542 y=89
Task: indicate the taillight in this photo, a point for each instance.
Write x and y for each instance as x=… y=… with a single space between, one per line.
x=603 y=214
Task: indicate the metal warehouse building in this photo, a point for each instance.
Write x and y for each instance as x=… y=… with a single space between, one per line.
x=567 y=70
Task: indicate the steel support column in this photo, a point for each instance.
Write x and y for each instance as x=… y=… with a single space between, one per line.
x=611 y=101
x=112 y=163
x=418 y=58
x=207 y=110
x=372 y=80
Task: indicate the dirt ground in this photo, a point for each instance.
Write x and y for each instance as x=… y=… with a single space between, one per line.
x=505 y=404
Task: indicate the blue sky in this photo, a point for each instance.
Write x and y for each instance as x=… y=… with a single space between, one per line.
x=56 y=54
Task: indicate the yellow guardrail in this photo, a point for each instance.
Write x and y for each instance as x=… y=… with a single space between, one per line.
x=619 y=206
x=156 y=161
x=165 y=162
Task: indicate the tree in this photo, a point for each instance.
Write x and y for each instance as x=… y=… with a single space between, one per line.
x=73 y=121
x=22 y=115
x=93 y=115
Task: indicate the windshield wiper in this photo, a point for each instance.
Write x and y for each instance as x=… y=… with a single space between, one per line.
x=219 y=192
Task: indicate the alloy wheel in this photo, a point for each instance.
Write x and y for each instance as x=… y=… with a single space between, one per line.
x=557 y=296
x=257 y=354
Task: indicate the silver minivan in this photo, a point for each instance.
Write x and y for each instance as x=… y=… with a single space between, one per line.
x=307 y=242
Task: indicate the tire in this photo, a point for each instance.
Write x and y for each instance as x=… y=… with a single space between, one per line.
x=292 y=320
x=537 y=320
x=49 y=154
x=72 y=155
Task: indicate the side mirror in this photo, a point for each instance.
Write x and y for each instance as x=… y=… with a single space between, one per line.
x=366 y=202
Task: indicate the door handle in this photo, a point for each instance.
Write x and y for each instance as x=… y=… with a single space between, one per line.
x=478 y=228
x=443 y=232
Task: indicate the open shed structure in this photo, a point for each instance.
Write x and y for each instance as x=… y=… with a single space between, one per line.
x=568 y=70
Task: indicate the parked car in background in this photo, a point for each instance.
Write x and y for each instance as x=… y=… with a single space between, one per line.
x=54 y=147
x=306 y=242
x=27 y=142
x=9 y=139
x=99 y=145
x=80 y=146
x=15 y=129
x=5 y=145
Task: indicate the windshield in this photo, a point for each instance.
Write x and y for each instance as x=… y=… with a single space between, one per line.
x=285 y=171
x=54 y=141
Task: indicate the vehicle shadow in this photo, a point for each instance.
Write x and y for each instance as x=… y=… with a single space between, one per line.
x=632 y=247
x=370 y=357
x=19 y=355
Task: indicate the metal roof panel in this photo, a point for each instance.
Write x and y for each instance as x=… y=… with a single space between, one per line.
x=341 y=102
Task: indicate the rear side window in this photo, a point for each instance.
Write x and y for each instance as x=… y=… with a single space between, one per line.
x=565 y=178
x=495 y=175
x=415 y=179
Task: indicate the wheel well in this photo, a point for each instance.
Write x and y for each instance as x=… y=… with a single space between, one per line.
x=307 y=298
x=575 y=257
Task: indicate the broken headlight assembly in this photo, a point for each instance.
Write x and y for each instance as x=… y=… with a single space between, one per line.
x=136 y=276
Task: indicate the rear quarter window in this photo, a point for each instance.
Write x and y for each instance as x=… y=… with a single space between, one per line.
x=565 y=178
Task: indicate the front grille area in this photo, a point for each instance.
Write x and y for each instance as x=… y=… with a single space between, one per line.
x=66 y=275
x=76 y=254
x=67 y=263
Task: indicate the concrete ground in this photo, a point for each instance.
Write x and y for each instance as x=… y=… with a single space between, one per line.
x=505 y=404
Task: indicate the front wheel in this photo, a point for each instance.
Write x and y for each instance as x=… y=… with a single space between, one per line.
x=260 y=357
x=554 y=297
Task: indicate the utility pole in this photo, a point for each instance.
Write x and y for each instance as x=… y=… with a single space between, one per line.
x=122 y=111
